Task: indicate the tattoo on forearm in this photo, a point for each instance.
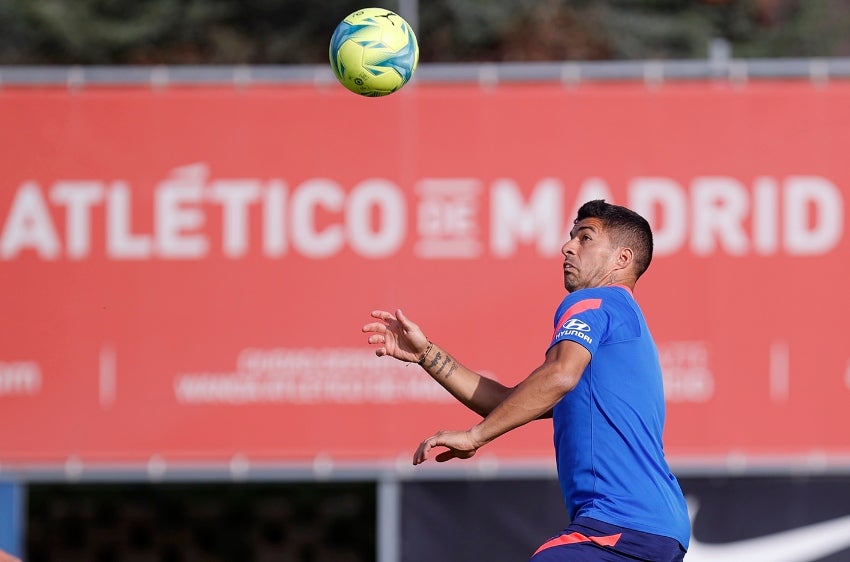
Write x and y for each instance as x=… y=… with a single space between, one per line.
x=445 y=362
x=451 y=369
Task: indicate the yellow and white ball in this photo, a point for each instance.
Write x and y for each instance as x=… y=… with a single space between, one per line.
x=373 y=52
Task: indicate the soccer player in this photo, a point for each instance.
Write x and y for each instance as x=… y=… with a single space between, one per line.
x=600 y=383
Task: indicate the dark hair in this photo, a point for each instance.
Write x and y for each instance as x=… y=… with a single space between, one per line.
x=626 y=228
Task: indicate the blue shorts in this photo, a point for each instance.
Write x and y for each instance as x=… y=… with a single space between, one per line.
x=590 y=540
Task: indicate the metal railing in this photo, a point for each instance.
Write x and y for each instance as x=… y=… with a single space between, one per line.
x=818 y=70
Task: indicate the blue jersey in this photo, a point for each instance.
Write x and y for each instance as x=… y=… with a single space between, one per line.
x=608 y=429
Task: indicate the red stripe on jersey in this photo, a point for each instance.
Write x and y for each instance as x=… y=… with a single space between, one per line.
x=575 y=538
x=580 y=306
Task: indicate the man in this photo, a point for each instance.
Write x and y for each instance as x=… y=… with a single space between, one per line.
x=600 y=382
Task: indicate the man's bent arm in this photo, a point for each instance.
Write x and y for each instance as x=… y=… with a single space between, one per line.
x=531 y=399
x=537 y=394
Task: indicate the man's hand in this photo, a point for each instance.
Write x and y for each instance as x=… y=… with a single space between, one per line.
x=396 y=336
x=460 y=445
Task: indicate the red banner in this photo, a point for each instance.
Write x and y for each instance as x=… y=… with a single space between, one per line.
x=185 y=271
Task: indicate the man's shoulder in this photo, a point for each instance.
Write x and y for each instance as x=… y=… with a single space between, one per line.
x=608 y=300
x=616 y=293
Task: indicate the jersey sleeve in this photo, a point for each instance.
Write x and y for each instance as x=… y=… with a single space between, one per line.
x=581 y=319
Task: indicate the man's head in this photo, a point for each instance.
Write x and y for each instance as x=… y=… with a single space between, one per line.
x=608 y=245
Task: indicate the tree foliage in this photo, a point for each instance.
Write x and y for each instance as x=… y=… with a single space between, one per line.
x=297 y=31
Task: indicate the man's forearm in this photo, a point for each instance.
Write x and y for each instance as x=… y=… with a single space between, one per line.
x=530 y=400
x=478 y=393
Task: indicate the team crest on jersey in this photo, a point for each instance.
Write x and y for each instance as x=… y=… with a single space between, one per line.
x=575 y=328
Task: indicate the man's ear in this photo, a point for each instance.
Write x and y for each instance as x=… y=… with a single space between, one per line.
x=625 y=256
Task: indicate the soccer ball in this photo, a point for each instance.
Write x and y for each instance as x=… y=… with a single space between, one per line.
x=373 y=52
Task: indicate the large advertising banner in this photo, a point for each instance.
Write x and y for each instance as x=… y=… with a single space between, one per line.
x=184 y=272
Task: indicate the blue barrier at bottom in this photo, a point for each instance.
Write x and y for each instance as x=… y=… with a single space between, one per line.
x=11 y=517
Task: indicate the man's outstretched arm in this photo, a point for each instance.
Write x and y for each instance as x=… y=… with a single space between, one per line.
x=478 y=393
x=397 y=336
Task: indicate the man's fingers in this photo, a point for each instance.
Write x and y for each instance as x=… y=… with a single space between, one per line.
x=454 y=441
x=401 y=317
x=421 y=454
x=374 y=327
x=377 y=338
x=405 y=321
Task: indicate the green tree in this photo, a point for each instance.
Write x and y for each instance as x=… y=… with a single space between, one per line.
x=297 y=31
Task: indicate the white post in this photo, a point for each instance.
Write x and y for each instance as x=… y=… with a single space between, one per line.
x=409 y=10
x=389 y=519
